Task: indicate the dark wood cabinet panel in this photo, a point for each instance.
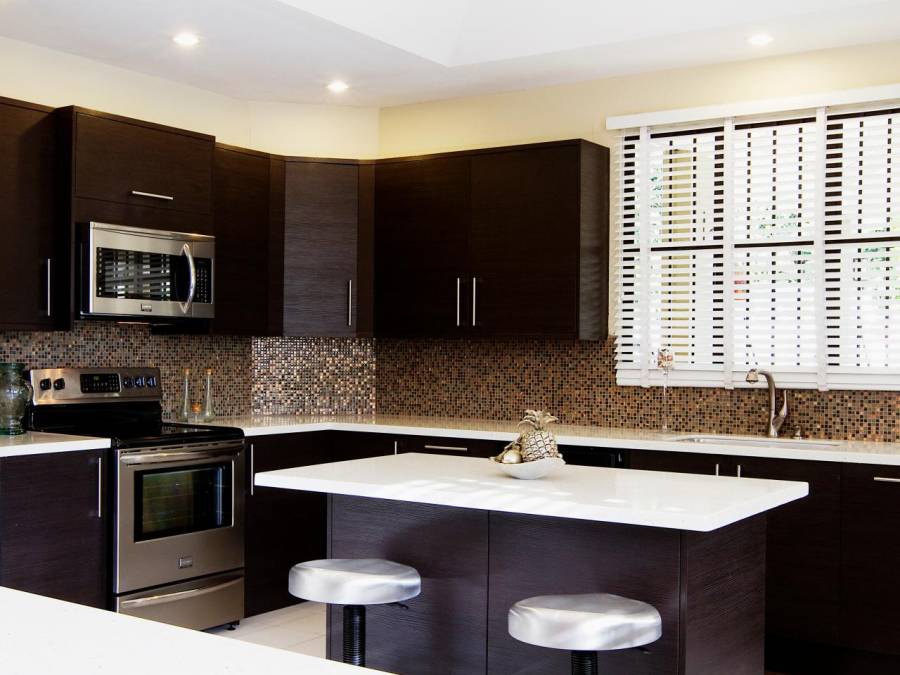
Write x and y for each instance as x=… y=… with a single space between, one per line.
x=421 y=232
x=803 y=550
x=52 y=527
x=33 y=256
x=524 y=242
x=243 y=241
x=321 y=286
x=285 y=527
x=114 y=158
x=443 y=629
x=870 y=592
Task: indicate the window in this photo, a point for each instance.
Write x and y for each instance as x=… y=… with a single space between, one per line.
x=770 y=244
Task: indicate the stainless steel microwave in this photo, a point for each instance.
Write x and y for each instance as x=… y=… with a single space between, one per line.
x=135 y=273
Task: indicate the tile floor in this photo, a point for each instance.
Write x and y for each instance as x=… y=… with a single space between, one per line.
x=300 y=628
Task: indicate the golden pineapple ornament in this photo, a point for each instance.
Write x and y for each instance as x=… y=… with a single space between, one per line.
x=537 y=442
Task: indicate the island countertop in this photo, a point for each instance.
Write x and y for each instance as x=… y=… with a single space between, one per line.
x=627 y=496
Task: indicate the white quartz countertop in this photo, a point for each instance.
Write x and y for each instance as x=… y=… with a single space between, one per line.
x=47 y=636
x=859 y=452
x=651 y=498
x=36 y=443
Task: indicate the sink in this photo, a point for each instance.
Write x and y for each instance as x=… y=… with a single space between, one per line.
x=761 y=442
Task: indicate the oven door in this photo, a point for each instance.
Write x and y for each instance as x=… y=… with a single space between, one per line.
x=135 y=272
x=180 y=514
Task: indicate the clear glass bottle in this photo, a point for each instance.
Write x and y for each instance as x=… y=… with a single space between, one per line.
x=208 y=413
x=184 y=412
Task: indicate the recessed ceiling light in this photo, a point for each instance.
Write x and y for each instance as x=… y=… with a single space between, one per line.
x=760 y=39
x=186 y=39
x=338 y=86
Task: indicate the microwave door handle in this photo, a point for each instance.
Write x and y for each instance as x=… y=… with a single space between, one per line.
x=192 y=283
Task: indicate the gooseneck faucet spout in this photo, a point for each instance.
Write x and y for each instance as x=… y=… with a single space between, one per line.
x=775 y=420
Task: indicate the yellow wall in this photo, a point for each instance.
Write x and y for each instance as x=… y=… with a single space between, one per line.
x=580 y=110
x=40 y=75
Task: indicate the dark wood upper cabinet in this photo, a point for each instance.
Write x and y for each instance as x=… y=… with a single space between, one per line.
x=54 y=524
x=140 y=174
x=323 y=247
x=528 y=238
x=500 y=242
x=34 y=256
x=421 y=240
x=244 y=242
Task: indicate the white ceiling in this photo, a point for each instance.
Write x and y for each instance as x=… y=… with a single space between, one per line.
x=400 y=51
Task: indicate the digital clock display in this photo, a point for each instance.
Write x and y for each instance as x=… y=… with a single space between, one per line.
x=100 y=383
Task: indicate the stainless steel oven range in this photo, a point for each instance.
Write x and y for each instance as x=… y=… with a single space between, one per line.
x=177 y=494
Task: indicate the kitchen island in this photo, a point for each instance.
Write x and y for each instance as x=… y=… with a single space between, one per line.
x=692 y=546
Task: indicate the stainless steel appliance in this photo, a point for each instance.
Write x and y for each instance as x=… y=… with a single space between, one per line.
x=177 y=494
x=129 y=272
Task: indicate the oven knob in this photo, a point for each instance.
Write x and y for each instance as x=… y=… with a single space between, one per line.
x=126 y=382
x=46 y=383
x=59 y=384
x=151 y=381
x=139 y=381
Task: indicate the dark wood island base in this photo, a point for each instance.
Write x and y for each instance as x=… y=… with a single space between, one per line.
x=709 y=587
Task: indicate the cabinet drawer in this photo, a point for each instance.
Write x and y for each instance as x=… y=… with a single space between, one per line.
x=128 y=163
x=462 y=447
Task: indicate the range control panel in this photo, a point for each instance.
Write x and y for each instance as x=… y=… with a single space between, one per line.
x=87 y=385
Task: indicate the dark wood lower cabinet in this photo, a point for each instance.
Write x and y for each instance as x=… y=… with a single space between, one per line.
x=54 y=523
x=284 y=527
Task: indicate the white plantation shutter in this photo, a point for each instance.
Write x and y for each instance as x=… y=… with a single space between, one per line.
x=771 y=244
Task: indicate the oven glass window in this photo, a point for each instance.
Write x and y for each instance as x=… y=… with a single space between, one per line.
x=183 y=500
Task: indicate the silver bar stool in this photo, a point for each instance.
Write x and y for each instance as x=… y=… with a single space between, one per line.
x=584 y=624
x=354 y=583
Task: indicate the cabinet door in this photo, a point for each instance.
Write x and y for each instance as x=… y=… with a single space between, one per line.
x=142 y=165
x=321 y=288
x=802 y=550
x=53 y=525
x=421 y=224
x=524 y=242
x=241 y=218
x=682 y=462
x=870 y=589
x=33 y=242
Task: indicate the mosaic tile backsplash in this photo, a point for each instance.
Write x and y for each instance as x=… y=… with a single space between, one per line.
x=498 y=379
x=260 y=375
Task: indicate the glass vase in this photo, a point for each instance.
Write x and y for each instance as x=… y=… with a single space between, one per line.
x=15 y=393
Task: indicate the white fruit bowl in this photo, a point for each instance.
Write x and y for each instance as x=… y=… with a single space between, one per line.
x=531 y=470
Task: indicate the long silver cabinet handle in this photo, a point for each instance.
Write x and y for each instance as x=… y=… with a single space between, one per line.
x=885 y=479
x=717 y=469
x=474 y=301
x=458 y=291
x=178 y=595
x=49 y=286
x=153 y=195
x=395 y=447
x=739 y=471
x=451 y=448
x=350 y=302
x=100 y=488
x=252 y=473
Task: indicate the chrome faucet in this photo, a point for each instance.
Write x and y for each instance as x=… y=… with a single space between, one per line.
x=775 y=421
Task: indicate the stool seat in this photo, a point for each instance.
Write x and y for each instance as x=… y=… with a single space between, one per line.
x=590 y=622
x=365 y=581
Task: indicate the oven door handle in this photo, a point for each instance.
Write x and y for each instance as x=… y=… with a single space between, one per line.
x=168 y=457
x=177 y=595
x=192 y=283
